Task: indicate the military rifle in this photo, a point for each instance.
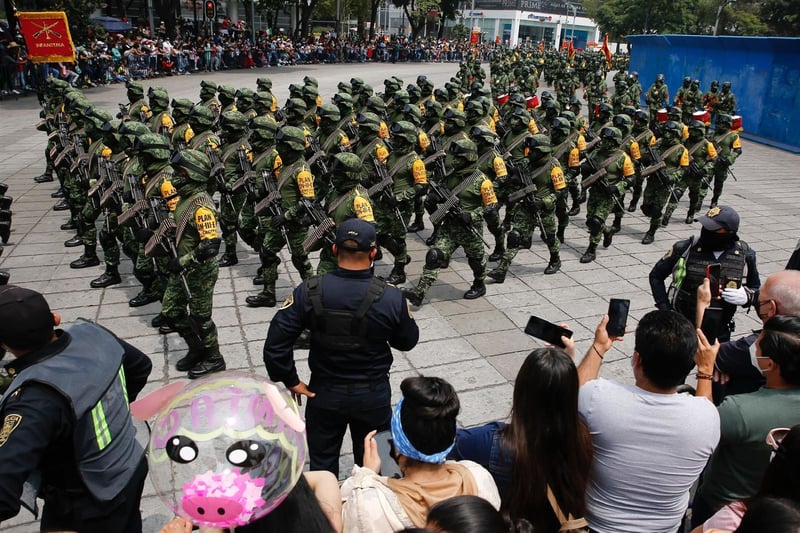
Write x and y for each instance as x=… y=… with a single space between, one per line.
x=317 y=155
x=598 y=173
x=271 y=204
x=450 y=205
x=718 y=162
x=657 y=167
x=245 y=182
x=218 y=175
x=324 y=226
x=384 y=187
x=527 y=194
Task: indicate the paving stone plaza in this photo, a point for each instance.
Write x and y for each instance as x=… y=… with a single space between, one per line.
x=477 y=345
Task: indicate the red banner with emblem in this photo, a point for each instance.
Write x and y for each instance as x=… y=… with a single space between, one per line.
x=47 y=36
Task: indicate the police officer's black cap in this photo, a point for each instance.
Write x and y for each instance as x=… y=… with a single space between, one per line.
x=356 y=235
x=722 y=217
x=26 y=321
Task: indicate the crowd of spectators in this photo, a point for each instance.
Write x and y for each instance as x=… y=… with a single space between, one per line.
x=113 y=58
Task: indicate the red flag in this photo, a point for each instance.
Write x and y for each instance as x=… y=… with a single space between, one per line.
x=47 y=36
x=541 y=45
x=606 y=51
x=570 y=51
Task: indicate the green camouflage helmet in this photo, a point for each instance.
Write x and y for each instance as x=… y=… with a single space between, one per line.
x=473 y=110
x=344 y=87
x=208 y=90
x=413 y=91
x=356 y=83
x=376 y=105
x=227 y=94
x=369 y=121
x=245 y=96
x=672 y=129
x=346 y=169
x=697 y=128
x=264 y=84
x=623 y=123
x=612 y=134
x=561 y=125
x=538 y=143
x=181 y=108
x=310 y=80
x=134 y=90
x=262 y=102
x=129 y=131
x=310 y=94
x=152 y=145
x=233 y=123
x=723 y=119
x=391 y=84
x=401 y=98
x=412 y=114
x=405 y=130
x=296 y=105
x=433 y=108
x=365 y=89
x=483 y=135
x=111 y=136
x=344 y=102
x=454 y=117
x=465 y=149
x=290 y=139
x=201 y=118
x=158 y=98
x=194 y=162
x=329 y=112
x=263 y=129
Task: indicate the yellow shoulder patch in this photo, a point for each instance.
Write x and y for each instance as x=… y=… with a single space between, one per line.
x=487 y=193
x=383 y=130
x=278 y=163
x=684 y=162
x=419 y=173
x=737 y=142
x=424 y=141
x=169 y=194
x=10 y=423
x=274 y=106
x=188 y=134
x=532 y=127
x=627 y=167
x=712 y=152
x=634 y=150
x=557 y=178
x=206 y=223
x=581 y=143
x=305 y=183
x=287 y=303
x=106 y=152
x=363 y=208
x=499 y=166
x=382 y=153
x=574 y=158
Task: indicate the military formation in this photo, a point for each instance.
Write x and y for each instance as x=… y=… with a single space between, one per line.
x=180 y=187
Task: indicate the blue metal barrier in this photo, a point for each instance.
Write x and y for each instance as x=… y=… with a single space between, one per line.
x=764 y=73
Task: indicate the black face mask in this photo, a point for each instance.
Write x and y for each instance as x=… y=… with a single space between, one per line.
x=716 y=242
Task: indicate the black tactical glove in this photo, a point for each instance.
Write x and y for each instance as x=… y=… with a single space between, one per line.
x=278 y=221
x=612 y=190
x=466 y=218
x=174 y=266
x=390 y=200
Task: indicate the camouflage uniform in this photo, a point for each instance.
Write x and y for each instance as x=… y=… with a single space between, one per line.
x=729 y=147
x=701 y=167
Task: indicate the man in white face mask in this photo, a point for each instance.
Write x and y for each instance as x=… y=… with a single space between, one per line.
x=737 y=370
x=737 y=467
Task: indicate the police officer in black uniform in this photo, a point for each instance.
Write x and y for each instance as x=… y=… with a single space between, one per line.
x=687 y=261
x=65 y=417
x=354 y=319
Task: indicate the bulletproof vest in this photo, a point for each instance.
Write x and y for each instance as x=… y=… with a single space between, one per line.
x=90 y=377
x=343 y=330
x=690 y=271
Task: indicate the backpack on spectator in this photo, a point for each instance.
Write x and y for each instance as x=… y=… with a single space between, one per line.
x=569 y=524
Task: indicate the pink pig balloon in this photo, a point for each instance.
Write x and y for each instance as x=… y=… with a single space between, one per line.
x=224 y=450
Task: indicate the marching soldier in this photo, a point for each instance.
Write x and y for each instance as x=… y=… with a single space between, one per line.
x=657 y=97
x=161 y=121
x=536 y=182
x=492 y=164
x=208 y=97
x=461 y=198
x=729 y=148
x=189 y=297
x=234 y=135
x=567 y=154
x=727 y=100
x=701 y=167
x=645 y=138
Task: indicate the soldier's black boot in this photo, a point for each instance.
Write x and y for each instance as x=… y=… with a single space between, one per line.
x=417 y=225
x=665 y=218
x=560 y=234
x=714 y=200
x=59 y=193
x=430 y=241
x=499 y=250
x=61 y=206
x=477 y=290
x=109 y=277
x=188 y=361
x=213 y=364
x=576 y=208
x=608 y=236
x=616 y=227
x=498 y=274
x=266 y=298
x=146 y=295
x=650 y=236
x=633 y=204
x=554 y=265
x=88 y=259
x=229 y=259
x=46 y=177
x=590 y=254
x=69 y=225
x=582 y=197
x=77 y=240
x=397 y=275
x=414 y=296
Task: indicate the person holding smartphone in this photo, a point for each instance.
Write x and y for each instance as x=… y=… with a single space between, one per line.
x=717 y=253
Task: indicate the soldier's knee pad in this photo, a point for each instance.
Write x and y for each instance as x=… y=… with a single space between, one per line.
x=650 y=210
x=594 y=223
x=390 y=243
x=434 y=258
x=513 y=239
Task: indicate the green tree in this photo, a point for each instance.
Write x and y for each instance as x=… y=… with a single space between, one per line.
x=417 y=13
x=782 y=17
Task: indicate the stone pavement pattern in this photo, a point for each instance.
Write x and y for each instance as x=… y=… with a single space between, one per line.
x=477 y=345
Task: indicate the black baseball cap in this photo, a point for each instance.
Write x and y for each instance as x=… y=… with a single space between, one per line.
x=356 y=231
x=26 y=321
x=721 y=217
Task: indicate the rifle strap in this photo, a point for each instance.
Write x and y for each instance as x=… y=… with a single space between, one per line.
x=284 y=173
x=368 y=149
x=566 y=145
x=163 y=175
x=230 y=150
x=671 y=150
x=516 y=142
x=402 y=162
x=339 y=201
x=642 y=135
x=694 y=148
x=469 y=180
x=201 y=200
x=485 y=157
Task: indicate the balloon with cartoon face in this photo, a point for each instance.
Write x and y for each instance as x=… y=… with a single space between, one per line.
x=224 y=450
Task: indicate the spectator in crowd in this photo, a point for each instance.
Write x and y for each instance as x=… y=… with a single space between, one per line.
x=465 y=514
x=781 y=480
x=650 y=443
x=775 y=515
x=545 y=447
x=738 y=465
x=736 y=368
x=423 y=433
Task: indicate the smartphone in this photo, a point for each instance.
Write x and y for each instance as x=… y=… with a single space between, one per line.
x=547 y=331
x=389 y=466
x=712 y=323
x=714 y=275
x=617 y=317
